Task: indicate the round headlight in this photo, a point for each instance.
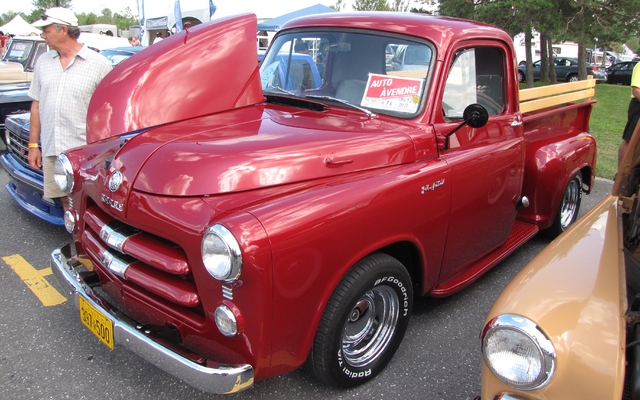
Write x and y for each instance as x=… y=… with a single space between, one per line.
x=226 y=321
x=518 y=352
x=70 y=220
x=221 y=253
x=63 y=173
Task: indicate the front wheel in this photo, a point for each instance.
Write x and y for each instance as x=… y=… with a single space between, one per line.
x=363 y=323
x=567 y=212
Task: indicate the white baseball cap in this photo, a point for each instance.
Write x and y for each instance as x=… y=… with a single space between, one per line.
x=57 y=15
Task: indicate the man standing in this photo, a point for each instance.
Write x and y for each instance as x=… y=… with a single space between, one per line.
x=64 y=80
x=633 y=113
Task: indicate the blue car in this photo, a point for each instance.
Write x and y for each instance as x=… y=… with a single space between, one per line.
x=299 y=72
x=26 y=184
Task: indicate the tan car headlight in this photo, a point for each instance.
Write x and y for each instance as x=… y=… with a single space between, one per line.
x=518 y=352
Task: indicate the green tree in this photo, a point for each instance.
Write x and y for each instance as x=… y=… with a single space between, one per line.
x=371 y=5
x=338 y=6
x=39 y=7
x=125 y=20
x=399 y=5
x=8 y=16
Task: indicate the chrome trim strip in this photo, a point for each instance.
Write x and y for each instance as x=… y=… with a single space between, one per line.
x=215 y=378
x=115 y=234
x=115 y=264
x=227 y=292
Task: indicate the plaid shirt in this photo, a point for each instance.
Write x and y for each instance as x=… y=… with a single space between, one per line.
x=64 y=97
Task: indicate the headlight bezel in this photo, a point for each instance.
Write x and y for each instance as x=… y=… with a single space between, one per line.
x=63 y=173
x=225 y=266
x=526 y=330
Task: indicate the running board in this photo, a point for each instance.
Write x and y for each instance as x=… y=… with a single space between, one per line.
x=520 y=233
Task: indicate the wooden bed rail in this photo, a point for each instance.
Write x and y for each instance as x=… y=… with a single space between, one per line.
x=548 y=96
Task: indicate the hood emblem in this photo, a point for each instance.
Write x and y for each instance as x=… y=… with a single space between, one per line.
x=115 y=181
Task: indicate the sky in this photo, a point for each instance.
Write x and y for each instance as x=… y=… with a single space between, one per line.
x=262 y=8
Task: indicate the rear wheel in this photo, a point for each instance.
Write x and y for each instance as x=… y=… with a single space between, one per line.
x=363 y=323
x=521 y=77
x=567 y=212
x=572 y=78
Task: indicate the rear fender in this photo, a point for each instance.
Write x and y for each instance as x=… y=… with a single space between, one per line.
x=549 y=166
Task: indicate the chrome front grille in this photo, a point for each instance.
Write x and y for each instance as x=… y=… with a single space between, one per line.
x=147 y=262
x=17 y=145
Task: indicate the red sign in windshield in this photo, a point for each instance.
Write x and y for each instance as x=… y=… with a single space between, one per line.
x=393 y=93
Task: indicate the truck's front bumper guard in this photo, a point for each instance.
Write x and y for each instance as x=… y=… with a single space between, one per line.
x=220 y=379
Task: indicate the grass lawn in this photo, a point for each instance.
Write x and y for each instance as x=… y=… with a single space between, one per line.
x=607 y=121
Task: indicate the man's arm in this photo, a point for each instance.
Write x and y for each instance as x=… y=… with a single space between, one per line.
x=35 y=159
x=635 y=92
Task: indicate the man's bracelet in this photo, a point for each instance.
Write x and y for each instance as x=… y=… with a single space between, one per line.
x=33 y=145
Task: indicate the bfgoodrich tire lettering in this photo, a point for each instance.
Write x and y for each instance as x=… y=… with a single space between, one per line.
x=363 y=322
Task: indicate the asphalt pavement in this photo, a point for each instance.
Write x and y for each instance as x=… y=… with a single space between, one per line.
x=46 y=352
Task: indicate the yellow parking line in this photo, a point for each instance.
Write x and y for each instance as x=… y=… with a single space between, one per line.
x=34 y=279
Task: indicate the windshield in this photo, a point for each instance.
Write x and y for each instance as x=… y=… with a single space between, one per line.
x=19 y=51
x=385 y=74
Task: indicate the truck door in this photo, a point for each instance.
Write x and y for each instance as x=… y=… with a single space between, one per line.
x=486 y=163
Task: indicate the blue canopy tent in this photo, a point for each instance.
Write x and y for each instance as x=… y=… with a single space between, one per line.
x=274 y=24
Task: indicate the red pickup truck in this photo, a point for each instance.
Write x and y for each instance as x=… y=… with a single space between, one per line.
x=233 y=222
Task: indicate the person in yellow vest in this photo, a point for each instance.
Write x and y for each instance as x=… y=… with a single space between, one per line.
x=633 y=113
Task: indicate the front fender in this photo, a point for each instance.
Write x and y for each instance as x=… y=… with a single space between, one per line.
x=575 y=291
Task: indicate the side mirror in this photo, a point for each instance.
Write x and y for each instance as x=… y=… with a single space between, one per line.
x=475 y=115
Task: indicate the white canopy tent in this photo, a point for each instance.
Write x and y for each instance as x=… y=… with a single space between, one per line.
x=19 y=27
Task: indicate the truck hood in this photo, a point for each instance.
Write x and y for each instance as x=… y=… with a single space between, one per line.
x=11 y=72
x=206 y=69
x=272 y=147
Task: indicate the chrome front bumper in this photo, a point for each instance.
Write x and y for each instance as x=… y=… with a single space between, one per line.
x=219 y=379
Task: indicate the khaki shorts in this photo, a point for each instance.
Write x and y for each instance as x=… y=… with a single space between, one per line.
x=51 y=190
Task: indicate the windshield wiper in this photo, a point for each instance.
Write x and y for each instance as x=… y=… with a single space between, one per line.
x=346 y=103
x=281 y=90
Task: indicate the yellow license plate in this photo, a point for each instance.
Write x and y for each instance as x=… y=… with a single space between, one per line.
x=98 y=323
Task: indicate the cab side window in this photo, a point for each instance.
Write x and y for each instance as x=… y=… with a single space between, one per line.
x=476 y=76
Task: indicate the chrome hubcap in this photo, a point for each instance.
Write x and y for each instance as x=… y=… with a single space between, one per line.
x=370 y=326
x=569 y=204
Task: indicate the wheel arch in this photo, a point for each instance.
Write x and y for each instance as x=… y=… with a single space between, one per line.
x=546 y=177
x=405 y=251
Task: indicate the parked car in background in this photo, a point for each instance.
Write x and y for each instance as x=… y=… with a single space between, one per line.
x=566 y=70
x=20 y=59
x=411 y=58
x=621 y=72
x=26 y=184
x=295 y=73
x=119 y=54
x=568 y=325
x=13 y=100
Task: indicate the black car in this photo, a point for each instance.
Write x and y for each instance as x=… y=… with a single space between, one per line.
x=621 y=72
x=566 y=70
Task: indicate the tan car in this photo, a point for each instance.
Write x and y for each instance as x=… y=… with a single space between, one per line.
x=20 y=59
x=568 y=325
